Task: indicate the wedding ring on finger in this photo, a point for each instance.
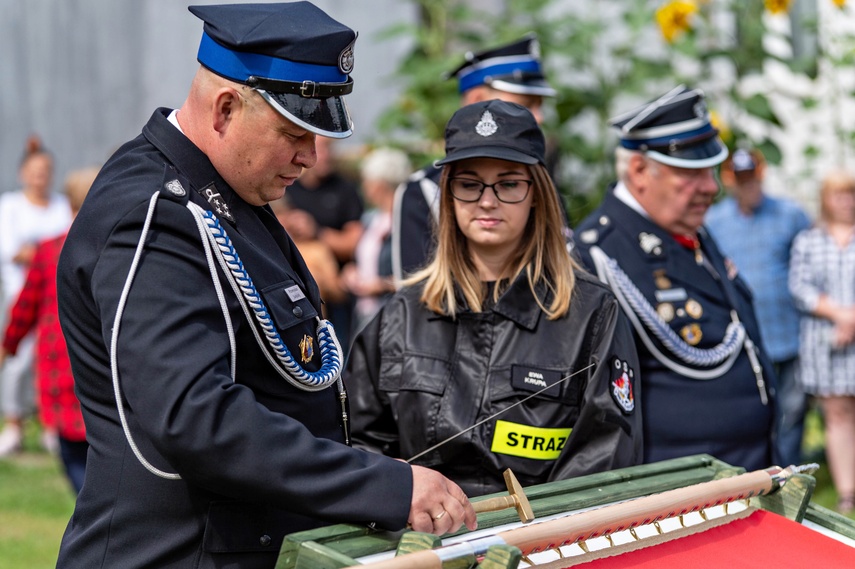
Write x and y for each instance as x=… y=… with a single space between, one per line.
x=439 y=515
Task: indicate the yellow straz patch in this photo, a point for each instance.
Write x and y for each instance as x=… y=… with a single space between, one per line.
x=537 y=443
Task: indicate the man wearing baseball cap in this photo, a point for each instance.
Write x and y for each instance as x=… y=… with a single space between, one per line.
x=511 y=73
x=209 y=384
x=707 y=383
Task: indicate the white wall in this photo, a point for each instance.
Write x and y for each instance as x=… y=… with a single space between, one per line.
x=86 y=74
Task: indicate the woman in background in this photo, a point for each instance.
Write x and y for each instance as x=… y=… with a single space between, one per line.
x=36 y=309
x=369 y=278
x=501 y=348
x=27 y=216
x=822 y=282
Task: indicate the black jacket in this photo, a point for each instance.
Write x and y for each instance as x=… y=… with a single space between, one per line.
x=723 y=416
x=417 y=378
x=258 y=458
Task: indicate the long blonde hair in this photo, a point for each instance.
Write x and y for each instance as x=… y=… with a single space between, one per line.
x=542 y=254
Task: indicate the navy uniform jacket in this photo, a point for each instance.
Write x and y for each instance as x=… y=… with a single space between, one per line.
x=724 y=416
x=258 y=458
x=413 y=220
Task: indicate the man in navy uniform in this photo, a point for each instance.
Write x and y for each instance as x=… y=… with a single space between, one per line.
x=706 y=380
x=209 y=385
x=510 y=73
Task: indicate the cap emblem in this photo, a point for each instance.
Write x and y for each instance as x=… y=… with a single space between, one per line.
x=534 y=49
x=486 y=126
x=346 y=60
x=700 y=109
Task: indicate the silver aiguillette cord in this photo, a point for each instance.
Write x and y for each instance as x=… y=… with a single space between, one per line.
x=494 y=415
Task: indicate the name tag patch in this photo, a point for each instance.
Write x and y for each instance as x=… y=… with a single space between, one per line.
x=533 y=379
x=294 y=293
x=536 y=443
x=671 y=295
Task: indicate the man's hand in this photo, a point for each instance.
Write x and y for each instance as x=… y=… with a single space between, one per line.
x=439 y=506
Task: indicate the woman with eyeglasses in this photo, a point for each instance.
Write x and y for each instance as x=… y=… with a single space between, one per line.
x=500 y=353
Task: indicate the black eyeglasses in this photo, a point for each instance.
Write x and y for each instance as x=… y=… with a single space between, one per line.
x=507 y=191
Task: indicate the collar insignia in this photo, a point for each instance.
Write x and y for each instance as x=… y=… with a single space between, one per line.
x=650 y=243
x=487 y=125
x=216 y=201
x=307 y=350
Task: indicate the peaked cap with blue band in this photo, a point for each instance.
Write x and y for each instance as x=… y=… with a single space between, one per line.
x=296 y=57
x=674 y=129
x=513 y=68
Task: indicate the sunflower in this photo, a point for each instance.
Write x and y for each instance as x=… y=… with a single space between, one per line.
x=674 y=18
x=778 y=6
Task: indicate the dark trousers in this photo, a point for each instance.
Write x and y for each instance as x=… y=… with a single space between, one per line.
x=73 y=455
x=790 y=409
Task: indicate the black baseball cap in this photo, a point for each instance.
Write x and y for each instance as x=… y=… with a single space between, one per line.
x=494 y=129
x=297 y=57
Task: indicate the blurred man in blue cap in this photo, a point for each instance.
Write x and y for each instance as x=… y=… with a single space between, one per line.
x=209 y=385
x=764 y=263
x=510 y=73
x=706 y=381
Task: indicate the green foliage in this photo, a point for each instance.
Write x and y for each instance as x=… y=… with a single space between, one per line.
x=602 y=58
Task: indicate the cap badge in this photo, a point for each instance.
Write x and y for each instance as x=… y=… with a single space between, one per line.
x=534 y=49
x=700 y=109
x=175 y=187
x=345 y=60
x=486 y=126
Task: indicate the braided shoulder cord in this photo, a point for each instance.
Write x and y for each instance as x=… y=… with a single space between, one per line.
x=644 y=317
x=212 y=233
x=254 y=308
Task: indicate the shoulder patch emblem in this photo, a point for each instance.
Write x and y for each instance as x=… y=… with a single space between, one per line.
x=589 y=236
x=175 y=188
x=621 y=386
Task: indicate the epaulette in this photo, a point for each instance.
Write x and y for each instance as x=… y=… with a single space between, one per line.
x=595 y=234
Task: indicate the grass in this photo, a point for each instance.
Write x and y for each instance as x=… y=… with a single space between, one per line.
x=36 y=500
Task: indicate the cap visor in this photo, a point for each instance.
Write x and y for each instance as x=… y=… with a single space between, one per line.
x=540 y=88
x=710 y=152
x=326 y=117
x=500 y=152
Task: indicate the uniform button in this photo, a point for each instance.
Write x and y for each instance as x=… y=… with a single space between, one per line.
x=265 y=540
x=297 y=311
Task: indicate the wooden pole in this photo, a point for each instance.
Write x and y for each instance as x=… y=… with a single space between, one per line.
x=598 y=522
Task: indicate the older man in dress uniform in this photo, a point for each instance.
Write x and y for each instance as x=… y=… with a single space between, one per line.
x=510 y=73
x=707 y=382
x=209 y=385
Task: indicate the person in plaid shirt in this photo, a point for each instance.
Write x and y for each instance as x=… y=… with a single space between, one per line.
x=36 y=309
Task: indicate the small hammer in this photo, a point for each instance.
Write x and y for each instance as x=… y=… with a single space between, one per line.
x=515 y=499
